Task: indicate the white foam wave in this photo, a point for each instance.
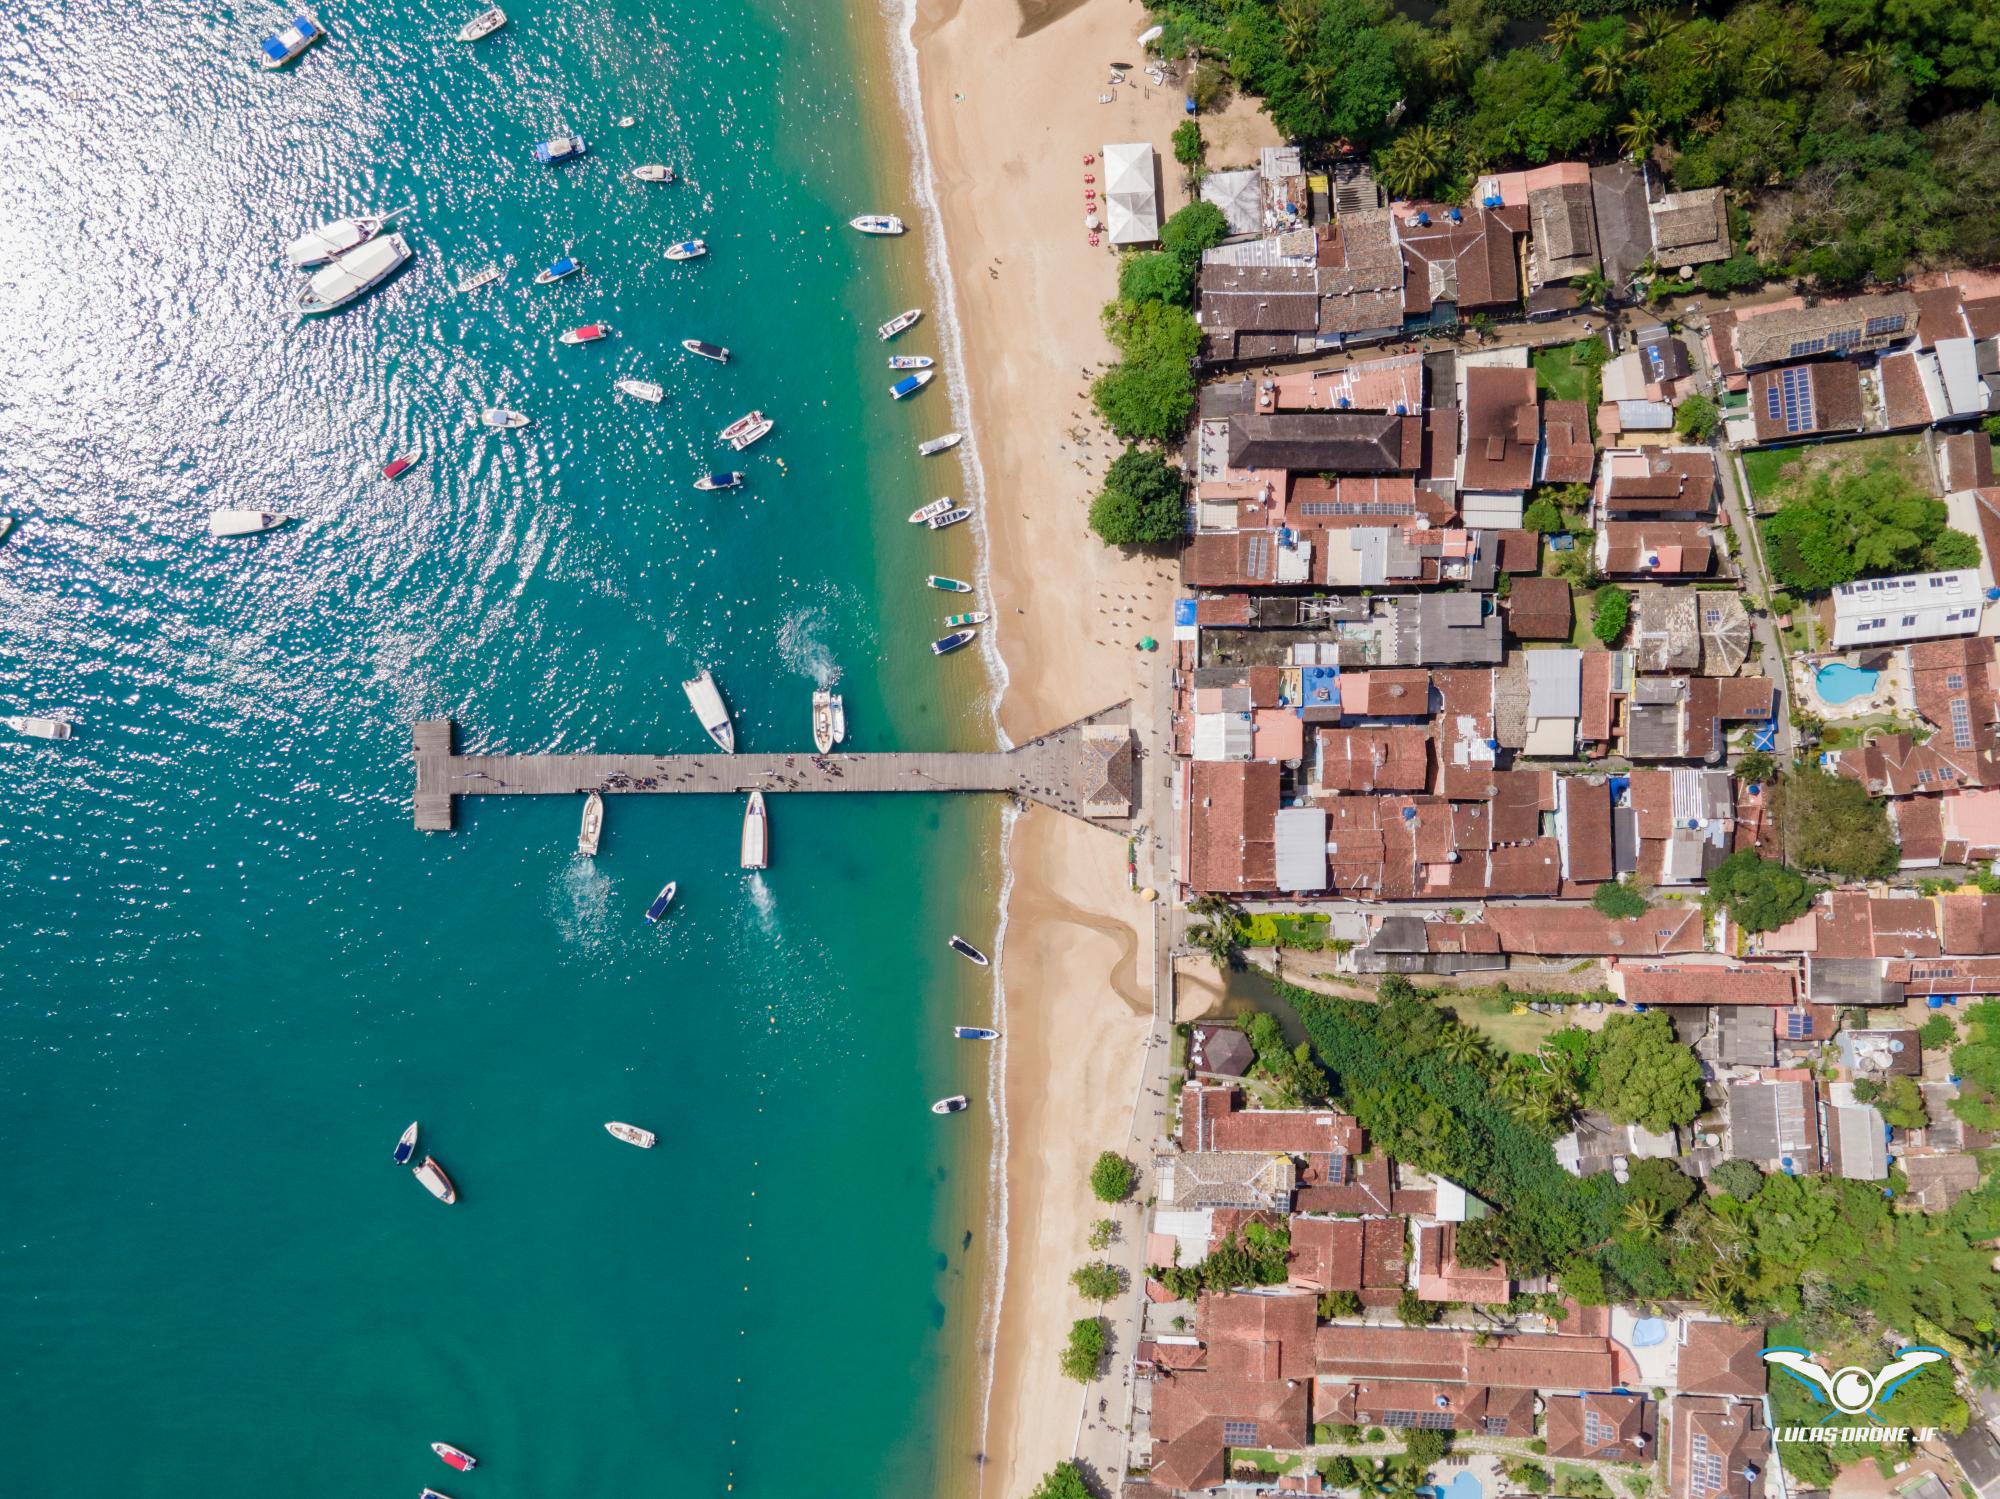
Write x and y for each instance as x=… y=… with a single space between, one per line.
x=802 y=645
x=763 y=903
x=581 y=903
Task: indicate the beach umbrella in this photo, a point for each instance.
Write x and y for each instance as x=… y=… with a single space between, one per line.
x=1090 y=221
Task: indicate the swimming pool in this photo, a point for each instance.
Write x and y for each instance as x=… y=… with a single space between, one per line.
x=1837 y=682
x=1462 y=1486
x=1648 y=1332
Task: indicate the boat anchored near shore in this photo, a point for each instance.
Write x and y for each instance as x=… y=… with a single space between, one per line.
x=756 y=848
x=909 y=385
x=653 y=171
x=456 y=1457
x=935 y=508
x=727 y=479
x=829 y=720
x=706 y=350
x=39 y=728
x=406 y=1146
x=898 y=323
x=876 y=223
x=660 y=902
x=745 y=430
x=958 y=1103
x=642 y=390
x=974 y=1033
x=483 y=25
x=330 y=241
x=966 y=950
x=355 y=274
x=939 y=444
x=951 y=642
x=687 y=249
x=706 y=700
x=946 y=585
x=244 y=522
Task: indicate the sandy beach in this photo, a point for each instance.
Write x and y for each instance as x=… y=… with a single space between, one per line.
x=1011 y=106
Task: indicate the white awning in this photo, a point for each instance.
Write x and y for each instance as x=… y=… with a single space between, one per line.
x=1131 y=194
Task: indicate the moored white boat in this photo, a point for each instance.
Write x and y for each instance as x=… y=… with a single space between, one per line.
x=642 y=390
x=589 y=333
x=354 y=274
x=464 y=1461
x=406 y=1145
x=956 y=1104
x=706 y=350
x=935 y=508
x=329 y=241
x=909 y=385
x=559 y=148
x=972 y=617
x=756 y=834
x=39 y=728
x=949 y=518
x=706 y=699
x=727 y=479
x=876 y=223
x=898 y=323
x=567 y=265
x=483 y=25
x=945 y=645
x=745 y=430
x=243 y=522
x=431 y=1174
x=290 y=42
x=631 y=1134
x=829 y=720
x=974 y=1033
x=471 y=281
x=947 y=585
x=687 y=249
x=966 y=950
x=910 y=361
x=430 y=1493
x=592 y=831
x=501 y=419
x=939 y=444
x=653 y=171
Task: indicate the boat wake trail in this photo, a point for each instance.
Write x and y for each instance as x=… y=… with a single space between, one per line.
x=580 y=901
x=802 y=646
x=763 y=904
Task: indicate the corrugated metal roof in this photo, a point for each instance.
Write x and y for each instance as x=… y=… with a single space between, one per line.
x=1299 y=834
x=1555 y=684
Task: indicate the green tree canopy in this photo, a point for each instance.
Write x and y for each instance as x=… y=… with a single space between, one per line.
x=1142 y=503
x=1619 y=899
x=1856 y=524
x=1335 y=78
x=1197 y=227
x=1112 y=1177
x=1610 y=609
x=1697 y=417
x=1641 y=1075
x=1149 y=392
x=1832 y=823
x=1156 y=276
x=1084 y=1351
x=1063 y=1481
x=1761 y=894
x=1528 y=107
x=1098 y=1280
x=1977 y=1062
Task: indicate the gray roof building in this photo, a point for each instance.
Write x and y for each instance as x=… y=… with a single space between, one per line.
x=1563 y=237
x=1221 y=1050
x=1440 y=629
x=1774 y=1124
x=1624 y=227
x=1749 y=1039
x=1851 y=325
x=1338 y=442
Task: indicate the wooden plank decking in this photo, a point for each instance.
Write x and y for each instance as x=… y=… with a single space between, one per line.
x=1066 y=770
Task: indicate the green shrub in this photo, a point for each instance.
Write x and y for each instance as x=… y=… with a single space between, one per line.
x=1112 y=1177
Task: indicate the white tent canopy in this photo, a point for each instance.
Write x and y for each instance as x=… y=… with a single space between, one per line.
x=1131 y=194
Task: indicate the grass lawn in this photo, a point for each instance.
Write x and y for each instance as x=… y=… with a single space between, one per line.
x=1563 y=376
x=1493 y=1017
x=1765 y=468
x=1264 y=1462
x=1776 y=476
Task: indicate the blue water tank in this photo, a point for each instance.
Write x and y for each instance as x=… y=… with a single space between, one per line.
x=1456 y=217
x=1423 y=220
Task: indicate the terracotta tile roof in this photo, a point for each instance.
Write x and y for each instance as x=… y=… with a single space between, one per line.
x=1520 y=551
x=1718 y=1445
x=1440 y=1277
x=1392 y=693
x=1213 y=1118
x=1702 y=984
x=1594 y=723
x=1232 y=825
x=1387 y=759
x=1525 y=869
x=1690 y=228
x=1587 y=830
x=1904 y=403
x=1502 y=428
x=1834 y=403
x=1940 y=314
x=1370 y=1188
x=1578 y=931
x=1532 y=1361
x=1719 y=1358
x=1471 y=264
x=1971 y=923
x=1403 y=1402
x=1659 y=481
x=1600 y=1427
x=1657 y=548
x=1780 y=333
x=1967 y=461
x=1259 y=1336
x=1520 y=797
x=1189 y=1415
x=1539 y=609
x=1325 y=1254
x=1341 y=442
x=1569 y=456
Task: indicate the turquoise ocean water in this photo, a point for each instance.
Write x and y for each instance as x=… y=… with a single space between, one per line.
x=232 y=969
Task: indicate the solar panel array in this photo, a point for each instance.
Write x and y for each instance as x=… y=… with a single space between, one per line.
x=1257 y=556
x=1961 y=724
x=1798 y=1026
x=1598 y=1432
x=1877 y=326
x=1239 y=1433
x=1788 y=399
x=1706 y=1468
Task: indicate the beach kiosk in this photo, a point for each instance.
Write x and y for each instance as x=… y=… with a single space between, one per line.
x=1132 y=194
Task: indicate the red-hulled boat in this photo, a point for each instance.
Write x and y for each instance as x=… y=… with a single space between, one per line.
x=465 y=1462
x=589 y=333
x=398 y=466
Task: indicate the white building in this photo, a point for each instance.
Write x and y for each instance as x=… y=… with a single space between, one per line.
x=1132 y=194
x=1921 y=606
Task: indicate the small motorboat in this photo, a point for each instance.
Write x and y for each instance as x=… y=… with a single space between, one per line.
x=401 y=464
x=407 y=1145
x=291 y=41
x=951 y=642
x=958 y=1103
x=939 y=444
x=974 y=1033
x=707 y=351
x=501 y=419
x=660 y=902
x=829 y=720
x=473 y=280
x=756 y=834
x=966 y=950
x=243 y=522
x=935 y=508
x=898 y=323
x=642 y=390
x=483 y=25
x=465 y=1462
x=559 y=148
x=687 y=249
x=728 y=480
x=949 y=518
x=592 y=831
x=39 y=728
x=354 y=274
x=626 y=122
x=431 y=1174
x=975 y=617
x=745 y=430
x=909 y=385
x=876 y=223
x=589 y=333
x=910 y=361
x=569 y=265
x=947 y=585
x=330 y=241
x=653 y=171
x=432 y=1494
x=631 y=1134
x=706 y=699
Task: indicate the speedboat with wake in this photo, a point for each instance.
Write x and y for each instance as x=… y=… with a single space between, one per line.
x=631 y=1134
x=974 y=1033
x=745 y=430
x=898 y=323
x=568 y=265
x=687 y=249
x=244 y=522
x=958 y=1103
x=706 y=700
x=660 y=902
x=354 y=274
x=966 y=950
x=909 y=385
x=589 y=333
x=330 y=241
x=431 y=1174
x=876 y=223
x=465 y=1462
x=729 y=479
x=756 y=834
x=592 y=831
x=653 y=171
x=483 y=25
x=706 y=350
x=406 y=1146
x=939 y=444
x=290 y=43
x=560 y=148
x=642 y=390
x=951 y=642
x=934 y=509
x=829 y=720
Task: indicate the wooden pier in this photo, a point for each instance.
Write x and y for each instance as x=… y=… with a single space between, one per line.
x=1087 y=769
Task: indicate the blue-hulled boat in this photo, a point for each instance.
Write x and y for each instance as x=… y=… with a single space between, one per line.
x=560 y=148
x=974 y=1033
x=569 y=265
x=729 y=480
x=952 y=642
x=289 y=43
x=909 y=385
x=660 y=903
x=407 y=1145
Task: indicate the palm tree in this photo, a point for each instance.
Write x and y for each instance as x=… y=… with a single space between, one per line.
x=1297 y=21
x=1645 y=1218
x=1606 y=69
x=1515 y=1087
x=1447 y=59
x=1415 y=159
x=1639 y=134
x=1564 y=28
x=1651 y=27
x=1461 y=1044
x=1867 y=68
x=1319 y=80
x=1711 y=48
x=1766 y=71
